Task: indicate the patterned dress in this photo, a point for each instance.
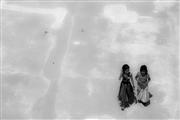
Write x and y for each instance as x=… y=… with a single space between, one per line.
x=126 y=93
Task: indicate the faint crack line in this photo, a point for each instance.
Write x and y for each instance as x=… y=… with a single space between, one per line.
x=68 y=46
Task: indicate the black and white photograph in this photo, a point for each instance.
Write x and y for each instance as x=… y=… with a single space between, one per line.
x=90 y=59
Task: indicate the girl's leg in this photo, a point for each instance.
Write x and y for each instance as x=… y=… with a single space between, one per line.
x=122 y=108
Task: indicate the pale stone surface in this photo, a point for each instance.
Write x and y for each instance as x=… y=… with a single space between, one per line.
x=63 y=59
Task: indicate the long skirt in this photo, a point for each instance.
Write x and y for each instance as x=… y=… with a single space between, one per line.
x=126 y=94
x=143 y=96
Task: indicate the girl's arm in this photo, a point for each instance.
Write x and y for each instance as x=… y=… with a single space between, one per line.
x=132 y=81
x=120 y=77
x=136 y=77
x=148 y=80
x=148 y=77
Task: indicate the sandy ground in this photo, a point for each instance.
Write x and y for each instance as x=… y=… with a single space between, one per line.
x=62 y=60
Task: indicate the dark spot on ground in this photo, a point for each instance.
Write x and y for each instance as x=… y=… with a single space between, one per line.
x=82 y=30
x=45 y=32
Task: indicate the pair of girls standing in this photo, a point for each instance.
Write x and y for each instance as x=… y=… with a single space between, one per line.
x=126 y=92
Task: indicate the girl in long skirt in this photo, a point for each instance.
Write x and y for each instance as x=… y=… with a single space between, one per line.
x=126 y=91
x=143 y=79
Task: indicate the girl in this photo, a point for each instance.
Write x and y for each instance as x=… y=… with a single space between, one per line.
x=143 y=79
x=126 y=93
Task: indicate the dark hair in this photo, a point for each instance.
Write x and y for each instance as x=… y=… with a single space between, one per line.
x=125 y=67
x=144 y=68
